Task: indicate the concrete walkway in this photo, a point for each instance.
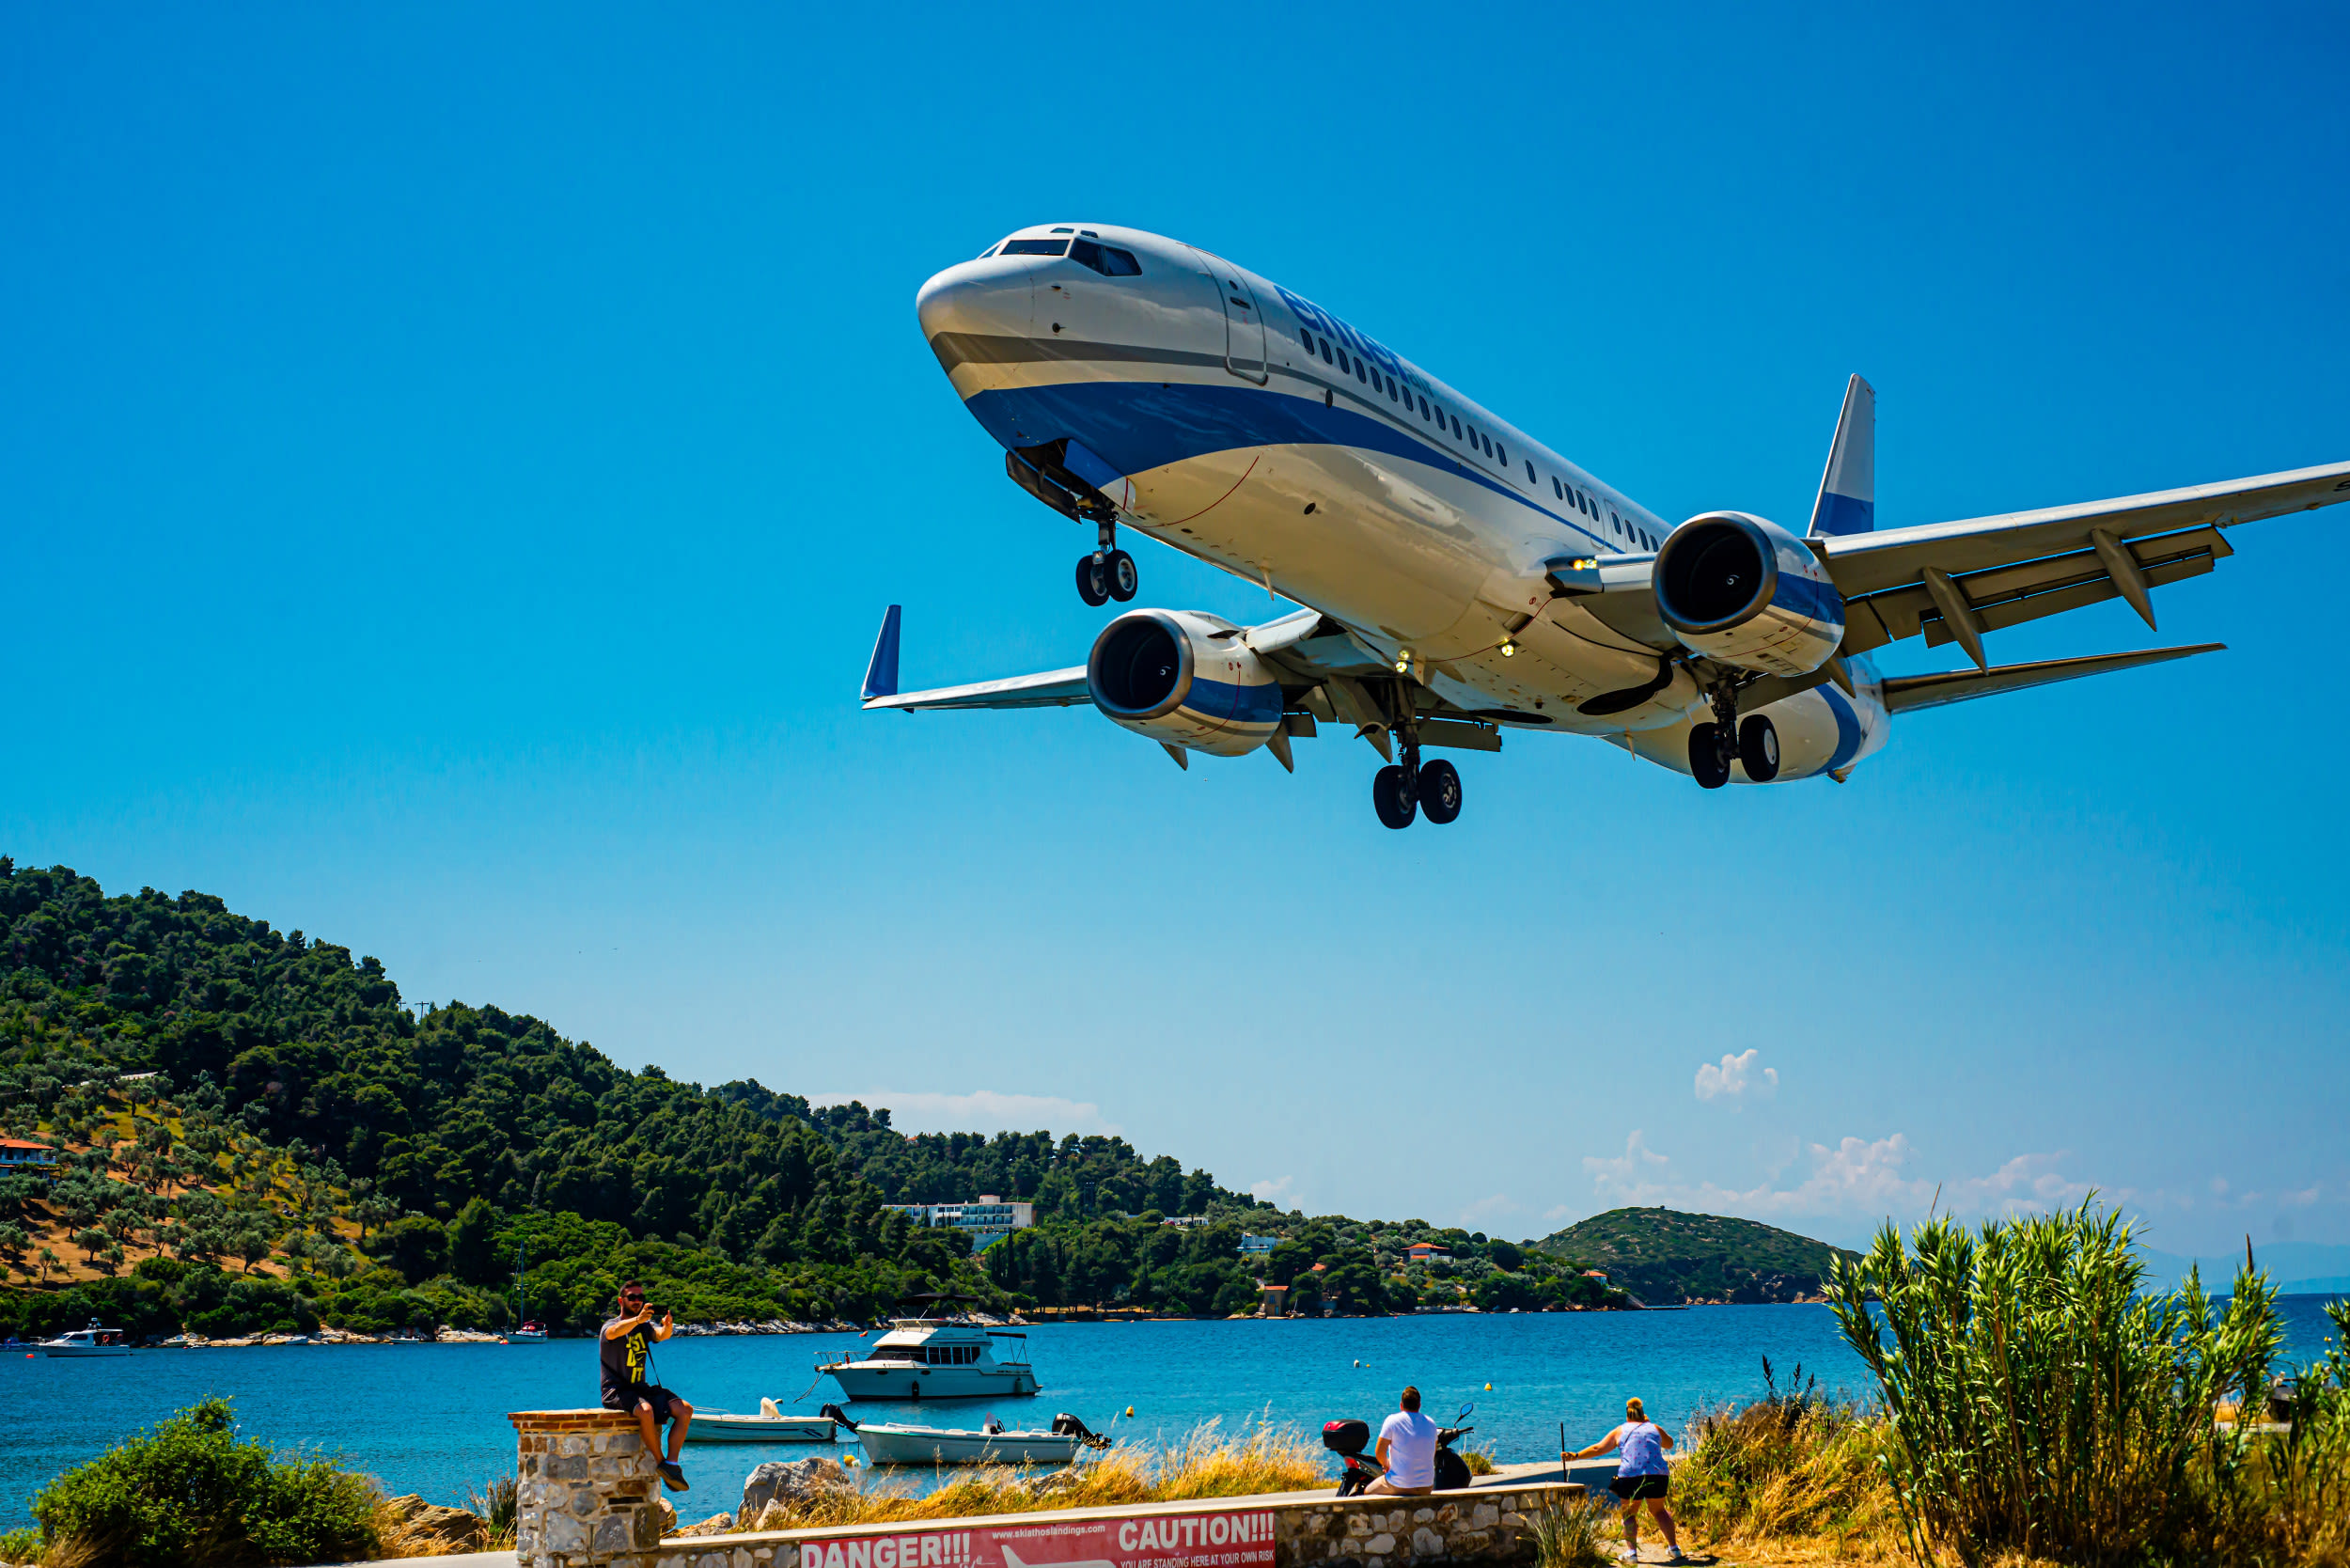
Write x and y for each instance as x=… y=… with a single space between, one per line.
x=463 y=1559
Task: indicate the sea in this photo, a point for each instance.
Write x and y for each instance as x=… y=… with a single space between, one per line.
x=430 y=1418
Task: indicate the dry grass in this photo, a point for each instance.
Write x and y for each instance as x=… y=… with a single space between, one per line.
x=1205 y=1464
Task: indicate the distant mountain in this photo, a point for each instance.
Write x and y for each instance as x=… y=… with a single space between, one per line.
x=1666 y=1257
x=2299 y=1268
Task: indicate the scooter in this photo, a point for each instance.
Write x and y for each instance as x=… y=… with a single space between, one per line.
x=1347 y=1439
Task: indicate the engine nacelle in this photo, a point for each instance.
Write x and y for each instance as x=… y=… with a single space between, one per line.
x=1184 y=678
x=1747 y=592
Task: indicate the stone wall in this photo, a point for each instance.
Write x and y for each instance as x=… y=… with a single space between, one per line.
x=585 y=1490
x=1482 y=1528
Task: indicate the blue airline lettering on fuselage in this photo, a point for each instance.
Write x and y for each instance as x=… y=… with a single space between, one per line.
x=1322 y=321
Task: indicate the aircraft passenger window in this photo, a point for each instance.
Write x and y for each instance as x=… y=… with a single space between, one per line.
x=1530 y=471
x=1361 y=374
x=1557 y=489
x=1501 y=454
x=1392 y=394
x=1105 y=260
x=1456 y=429
x=1423 y=410
x=1036 y=247
x=1325 y=351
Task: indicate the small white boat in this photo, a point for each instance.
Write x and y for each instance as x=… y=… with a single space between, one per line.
x=529 y=1334
x=771 y=1425
x=93 y=1341
x=897 y=1443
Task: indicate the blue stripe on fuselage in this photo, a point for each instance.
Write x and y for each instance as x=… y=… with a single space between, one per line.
x=1137 y=426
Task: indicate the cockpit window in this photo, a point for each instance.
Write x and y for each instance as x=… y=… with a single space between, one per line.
x=985 y=254
x=1036 y=247
x=1106 y=259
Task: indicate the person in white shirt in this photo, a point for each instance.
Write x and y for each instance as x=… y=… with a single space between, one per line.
x=1643 y=1477
x=1406 y=1452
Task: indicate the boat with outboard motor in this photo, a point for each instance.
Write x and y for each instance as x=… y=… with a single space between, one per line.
x=771 y=1425
x=903 y=1443
x=936 y=1357
x=93 y=1341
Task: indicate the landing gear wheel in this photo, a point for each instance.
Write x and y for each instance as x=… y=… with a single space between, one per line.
x=1393 y=797
x=1093 y=586
x=1758 y=748
x=1439 y=791
x=1119 y=576
x=1709 y=758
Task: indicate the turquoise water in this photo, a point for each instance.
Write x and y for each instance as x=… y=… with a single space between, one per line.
x=430 y=1418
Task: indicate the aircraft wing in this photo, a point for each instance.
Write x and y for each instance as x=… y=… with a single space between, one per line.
x=1053 y=688
x=1907 y=693
x=1954 y=581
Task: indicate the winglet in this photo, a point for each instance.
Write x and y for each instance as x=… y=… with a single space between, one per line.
x=1848 y=489
x=880 y=675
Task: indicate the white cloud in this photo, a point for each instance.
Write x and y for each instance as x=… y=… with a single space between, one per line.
x=1282 y=1194
x=1855 y=1178
x=1736 y=1079
x=982 y=1111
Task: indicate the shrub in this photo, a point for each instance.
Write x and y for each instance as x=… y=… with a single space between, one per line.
x=1572 y=1534
x=187 y=1493
x=2039 y=1402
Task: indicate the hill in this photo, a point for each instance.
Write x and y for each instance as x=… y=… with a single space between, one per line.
x=257 y=1133
x=1666 y=1257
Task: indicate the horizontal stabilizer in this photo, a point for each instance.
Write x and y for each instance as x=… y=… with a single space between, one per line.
x=1905 y=693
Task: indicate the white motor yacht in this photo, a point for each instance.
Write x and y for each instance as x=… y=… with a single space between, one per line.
x=93 y=1341
x=937 y=1358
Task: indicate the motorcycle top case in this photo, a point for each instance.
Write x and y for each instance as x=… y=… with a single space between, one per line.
x=1345 y=1437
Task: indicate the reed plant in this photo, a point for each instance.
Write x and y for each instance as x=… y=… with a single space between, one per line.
x=1797 y=1464
x=1205 y=1463
x=1572 y=1532
x=2039 y=1401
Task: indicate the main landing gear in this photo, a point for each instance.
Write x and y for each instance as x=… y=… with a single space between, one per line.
x=1714 y=747
x=1407 y=787
x=1109 y=573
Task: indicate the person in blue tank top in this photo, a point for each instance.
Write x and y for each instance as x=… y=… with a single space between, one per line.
x=1643 y=1477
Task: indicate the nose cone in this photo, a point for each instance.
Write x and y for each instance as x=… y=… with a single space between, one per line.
x=989 y=298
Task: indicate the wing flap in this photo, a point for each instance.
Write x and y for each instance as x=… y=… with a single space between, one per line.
x=1908 y=692
x=2011 y=595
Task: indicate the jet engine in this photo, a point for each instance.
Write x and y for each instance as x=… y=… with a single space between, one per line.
x=1747 y=592
x=1184 y=678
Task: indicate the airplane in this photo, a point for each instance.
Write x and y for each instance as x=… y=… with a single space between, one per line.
x=1460 y=579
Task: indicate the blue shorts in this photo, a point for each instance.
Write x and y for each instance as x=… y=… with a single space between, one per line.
x=1635 y=1488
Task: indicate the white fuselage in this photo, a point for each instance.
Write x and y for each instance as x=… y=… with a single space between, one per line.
x=1242 y=424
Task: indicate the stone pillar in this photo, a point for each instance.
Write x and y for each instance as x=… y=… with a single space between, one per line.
x=585 y=1490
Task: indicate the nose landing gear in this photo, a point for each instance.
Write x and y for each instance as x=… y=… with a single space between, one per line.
x=1109 y=573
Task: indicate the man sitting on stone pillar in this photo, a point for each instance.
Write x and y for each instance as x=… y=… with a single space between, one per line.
x=626 y=1350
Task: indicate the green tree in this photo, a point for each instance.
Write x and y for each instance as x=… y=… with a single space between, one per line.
x=417 y=1245
x=472 y=1255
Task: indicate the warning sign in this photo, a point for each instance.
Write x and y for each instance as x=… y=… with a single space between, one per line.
x=1216 y=1539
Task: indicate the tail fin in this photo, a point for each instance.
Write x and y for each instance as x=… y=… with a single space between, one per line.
x=880 y=675
x=1848 y=489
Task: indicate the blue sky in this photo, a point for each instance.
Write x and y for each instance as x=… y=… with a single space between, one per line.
x=453 y=463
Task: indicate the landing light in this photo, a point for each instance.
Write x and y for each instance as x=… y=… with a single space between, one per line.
x=1509 y=648
x=1402 y=661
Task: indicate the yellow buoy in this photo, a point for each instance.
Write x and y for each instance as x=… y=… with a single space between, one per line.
x=1488 y=1387
x=1129 y=1410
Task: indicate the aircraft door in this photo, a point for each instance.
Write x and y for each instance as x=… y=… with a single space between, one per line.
x=1244 y=320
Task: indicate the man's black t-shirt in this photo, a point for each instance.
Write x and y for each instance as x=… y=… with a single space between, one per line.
x=626 y=1360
